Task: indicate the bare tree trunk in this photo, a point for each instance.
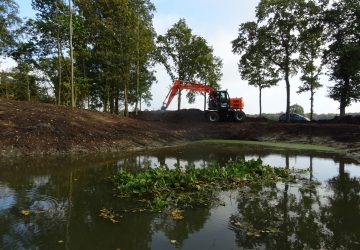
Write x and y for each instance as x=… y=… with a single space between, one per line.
x=126 y=103
x=28 y=87
x=312 y=103
x=138 y=65
x=140 y=102
x=117 y=102
x=343 y=100
x=58 y=53
x=287 y=96
x=205 y=101
x=73 y=104
x=260 y=103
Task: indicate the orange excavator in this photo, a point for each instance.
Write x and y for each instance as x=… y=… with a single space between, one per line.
x=220 y=105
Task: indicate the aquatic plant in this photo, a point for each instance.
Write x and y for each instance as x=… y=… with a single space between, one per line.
x=161 y=187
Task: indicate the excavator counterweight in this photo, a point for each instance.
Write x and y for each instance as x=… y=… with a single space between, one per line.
x=220 y=105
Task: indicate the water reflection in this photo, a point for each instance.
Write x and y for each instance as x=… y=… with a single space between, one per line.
x=304 y=216
x=64 y=196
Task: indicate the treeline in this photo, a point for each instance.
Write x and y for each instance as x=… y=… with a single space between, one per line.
x=100 y=54
x=306 y=38
x=97 y=54
x=90 y=53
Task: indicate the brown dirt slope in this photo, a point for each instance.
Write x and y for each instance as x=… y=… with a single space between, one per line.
x=35 y=129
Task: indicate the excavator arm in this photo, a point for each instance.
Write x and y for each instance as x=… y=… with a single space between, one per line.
x=179 y=85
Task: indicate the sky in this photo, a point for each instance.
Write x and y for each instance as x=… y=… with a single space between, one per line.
x=218 y=22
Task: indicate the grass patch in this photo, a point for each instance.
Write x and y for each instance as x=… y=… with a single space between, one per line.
x=284 y=145
x=162 y=187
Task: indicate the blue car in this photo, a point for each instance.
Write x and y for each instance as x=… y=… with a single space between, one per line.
x=294 y=118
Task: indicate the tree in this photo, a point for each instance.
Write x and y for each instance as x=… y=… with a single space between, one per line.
x=9 y=21
x=280 y=21
x=117 y=52
x=208 y=70
x=343 y=54
x=296 y=108
x=311 y=50
x=145 y=47
x=254 y=65
x=188 y=57
x=73 y=104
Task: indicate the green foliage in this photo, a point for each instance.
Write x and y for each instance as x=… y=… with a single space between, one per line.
x=279 y=19
x=162 y=187
x=113 y=45
x=296 y=108
x=311 y=50
x=254 y=65
x=188 y=57
x=9 y=21
x=342 y=25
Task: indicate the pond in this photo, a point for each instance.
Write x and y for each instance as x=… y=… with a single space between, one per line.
x=55 y=203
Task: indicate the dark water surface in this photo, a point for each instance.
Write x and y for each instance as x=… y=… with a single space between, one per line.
x=54 y=203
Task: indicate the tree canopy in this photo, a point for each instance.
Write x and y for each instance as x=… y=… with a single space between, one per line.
x=188 y=57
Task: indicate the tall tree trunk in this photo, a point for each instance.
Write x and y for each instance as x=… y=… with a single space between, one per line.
x=117 y=101
x=112 y=102
x=287 y=95
x=342 y=108
x=204 y=101
x=260 y=102
x=58 y=53
x=138 y=65
x=312 y=102
x=73 y=104
x=28 y=87
x=343 y=98
x=126 y=102
x=140 y=103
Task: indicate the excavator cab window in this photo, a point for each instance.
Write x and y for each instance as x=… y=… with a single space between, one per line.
x=214 y=100
x=218 y=100
x=224 y=99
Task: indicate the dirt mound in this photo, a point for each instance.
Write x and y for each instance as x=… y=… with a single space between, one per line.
x=182 y=116
x=345 y=119
x=34 y=129
x=38 y=128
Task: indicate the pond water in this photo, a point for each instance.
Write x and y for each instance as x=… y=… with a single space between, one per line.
x=55 y=203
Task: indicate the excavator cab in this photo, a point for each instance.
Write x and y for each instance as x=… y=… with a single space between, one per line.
x=219 y=100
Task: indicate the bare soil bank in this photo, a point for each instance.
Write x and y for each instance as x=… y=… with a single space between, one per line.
x=42 y=129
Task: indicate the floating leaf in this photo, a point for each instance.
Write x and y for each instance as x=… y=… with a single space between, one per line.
x=273 y=230
x=60 y=241
x=173 y=241
x=257 y=235
x=250 y=233
x=25 y=212
x=177 y=214
x=239 y=224
x=107 y=214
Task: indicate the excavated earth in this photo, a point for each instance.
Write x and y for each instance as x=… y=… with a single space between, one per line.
x=28 y=128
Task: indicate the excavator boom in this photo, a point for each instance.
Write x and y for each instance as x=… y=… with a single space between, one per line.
x=179 y=85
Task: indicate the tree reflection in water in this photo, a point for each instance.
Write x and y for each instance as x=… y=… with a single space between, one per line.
x=300 y=216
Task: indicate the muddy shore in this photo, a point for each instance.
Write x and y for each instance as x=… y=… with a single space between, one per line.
x=45 y=129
